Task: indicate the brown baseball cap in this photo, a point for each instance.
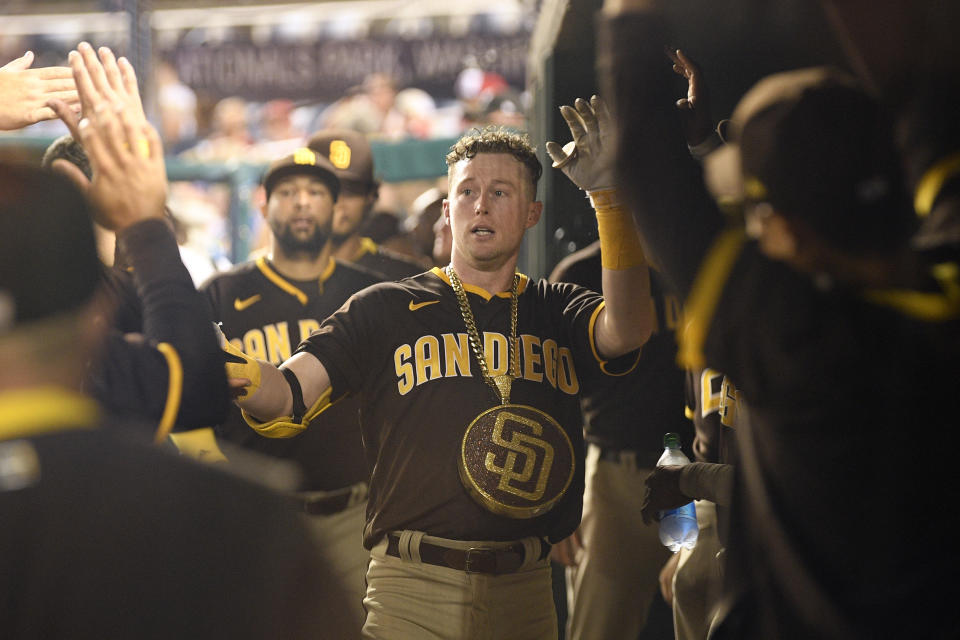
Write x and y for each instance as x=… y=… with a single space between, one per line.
x=350 y=154
x=302 y=161
x=815 y=145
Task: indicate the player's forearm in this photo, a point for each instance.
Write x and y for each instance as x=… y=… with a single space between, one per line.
x=272 y=399
x=626 y=322
x=272 y=396
x=627 y=319
x=707 y=481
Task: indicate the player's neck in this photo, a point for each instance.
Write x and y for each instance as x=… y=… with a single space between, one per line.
x=493 y=280
x=349 y=248
x=300 y=266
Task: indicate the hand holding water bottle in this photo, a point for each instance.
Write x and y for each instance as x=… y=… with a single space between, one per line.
x=662 y=492
x=674 y=510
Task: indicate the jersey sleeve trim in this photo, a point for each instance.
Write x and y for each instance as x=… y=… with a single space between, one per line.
x=705 y=295
x=174 y=391
x=591 y=329
x=278 y=280
x=689 y=413
x=284 y=426
x=929 y=307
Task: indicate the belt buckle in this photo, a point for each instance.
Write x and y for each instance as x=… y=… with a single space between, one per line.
x=479 y=560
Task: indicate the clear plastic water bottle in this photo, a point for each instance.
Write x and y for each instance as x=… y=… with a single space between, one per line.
x=678 y=527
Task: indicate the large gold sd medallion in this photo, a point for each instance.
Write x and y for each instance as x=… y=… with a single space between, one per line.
x=516 y=461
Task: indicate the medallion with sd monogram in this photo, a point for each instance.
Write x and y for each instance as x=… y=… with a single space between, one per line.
x=516 y=461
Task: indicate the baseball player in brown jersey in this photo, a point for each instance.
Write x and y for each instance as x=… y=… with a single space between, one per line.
x=266 y=307
x=691 y=579
x=806 y=339
x=352 y=158
x=104 y=535
x=471 y=411
x=614 y=558
x=161 y=363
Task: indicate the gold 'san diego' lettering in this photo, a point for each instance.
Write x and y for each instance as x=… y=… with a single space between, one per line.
x=274 y=342
x=430 y=358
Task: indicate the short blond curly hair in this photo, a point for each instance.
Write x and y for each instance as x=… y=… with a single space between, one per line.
x=498 y=140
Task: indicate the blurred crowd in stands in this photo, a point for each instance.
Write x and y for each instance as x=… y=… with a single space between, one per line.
x=205 y=128
x=233 y=127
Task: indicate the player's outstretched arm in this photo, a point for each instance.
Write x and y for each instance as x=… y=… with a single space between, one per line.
x=627 y=319
x=661 y=183
x=267 y=395
x=186 y=386
x=695 y=107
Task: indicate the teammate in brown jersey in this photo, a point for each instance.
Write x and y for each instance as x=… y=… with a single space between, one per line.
x=819 y=325
x=691 y=579
x=352 y=158
x=103 y=534
x=265 y=308
x=614 y=558
x=470 y=377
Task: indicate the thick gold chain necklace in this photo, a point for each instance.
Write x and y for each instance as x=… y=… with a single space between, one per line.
x=501 y=384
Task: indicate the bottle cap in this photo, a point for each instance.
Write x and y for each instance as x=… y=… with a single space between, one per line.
x=671 y=440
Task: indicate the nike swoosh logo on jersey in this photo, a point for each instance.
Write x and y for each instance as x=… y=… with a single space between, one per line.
x=240 y=305
x=420 y=305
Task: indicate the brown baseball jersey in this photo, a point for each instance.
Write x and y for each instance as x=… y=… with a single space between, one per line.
x=403 y=347
x=107 y=536
x=713 y=405
x=389 y=264
x=266 y=316
x=632 y=412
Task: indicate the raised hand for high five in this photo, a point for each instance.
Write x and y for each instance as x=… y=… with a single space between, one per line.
x=24 y=92
x=129 y=176
x=589 y=159
x=697 y=121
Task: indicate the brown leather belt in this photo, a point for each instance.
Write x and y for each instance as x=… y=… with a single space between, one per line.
x=491 y=561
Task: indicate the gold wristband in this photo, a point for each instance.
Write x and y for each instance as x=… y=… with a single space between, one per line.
x=619 y=242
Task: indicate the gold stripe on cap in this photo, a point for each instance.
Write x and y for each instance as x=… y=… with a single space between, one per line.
x=305 y=155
